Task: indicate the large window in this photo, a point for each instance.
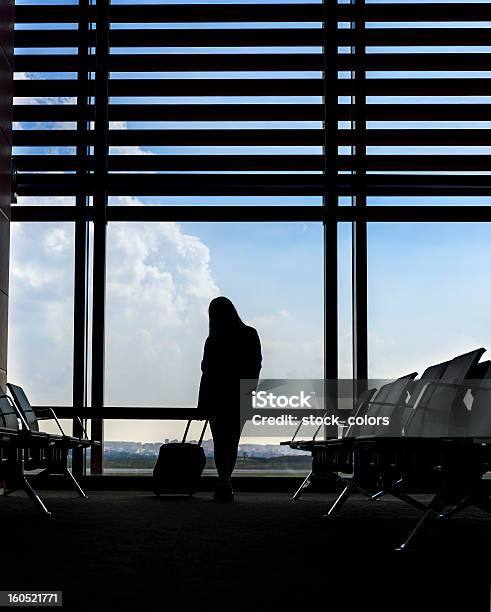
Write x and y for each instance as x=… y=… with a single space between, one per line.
x=41 y=311
x=248 y=156
x=428 y=298
x=161 y=278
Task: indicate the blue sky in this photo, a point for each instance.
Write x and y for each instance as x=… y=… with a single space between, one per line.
x=161 y=277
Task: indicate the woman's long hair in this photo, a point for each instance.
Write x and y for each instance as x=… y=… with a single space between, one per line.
x=224 y=318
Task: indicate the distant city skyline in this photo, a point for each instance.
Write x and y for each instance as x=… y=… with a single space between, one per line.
x=151 y=448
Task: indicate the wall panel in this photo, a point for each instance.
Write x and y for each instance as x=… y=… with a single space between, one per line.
x=6 y=103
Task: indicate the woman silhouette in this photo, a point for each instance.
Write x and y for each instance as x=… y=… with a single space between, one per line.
x=232 y=352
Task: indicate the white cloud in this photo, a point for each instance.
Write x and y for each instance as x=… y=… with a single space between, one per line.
x=32 y=76
x=41 y=310
x=159 y=284
x=57 y=241
x=291 y=348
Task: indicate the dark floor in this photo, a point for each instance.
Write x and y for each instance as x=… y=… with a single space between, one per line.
x=130 y=550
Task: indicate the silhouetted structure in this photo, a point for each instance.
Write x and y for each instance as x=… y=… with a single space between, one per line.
x=335 y=91
x=332 y=107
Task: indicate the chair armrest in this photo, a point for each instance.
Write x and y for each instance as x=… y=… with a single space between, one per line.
x=49 y=413
x=80 y=422
x=43 y=414
x=296 y=432
x=40 y=413
x=393 y=404
x=299 y=427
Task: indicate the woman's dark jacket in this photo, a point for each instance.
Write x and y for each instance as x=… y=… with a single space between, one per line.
x=227 y=359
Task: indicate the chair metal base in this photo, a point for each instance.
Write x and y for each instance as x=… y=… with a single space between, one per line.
x=350 y=487
x=76 y=486
x=304 y=485
x=34 y=497
x=425 y=517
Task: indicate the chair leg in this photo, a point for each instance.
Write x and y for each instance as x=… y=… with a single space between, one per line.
x=427 y=514
x=396 y=492
x=342 y=497
x=378 y=495
x=408 y=499
x=484 y=503
x=464 y=503
x=383 y=492
x=76 y=486
x=303 y=486
x=34 y=496
x=359 y=489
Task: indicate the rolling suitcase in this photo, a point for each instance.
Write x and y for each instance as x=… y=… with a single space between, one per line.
x=179 y=466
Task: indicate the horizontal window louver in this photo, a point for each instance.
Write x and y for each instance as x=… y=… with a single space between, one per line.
x=256 y=99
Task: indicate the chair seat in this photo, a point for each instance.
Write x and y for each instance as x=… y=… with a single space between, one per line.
x=8 y=435
x=308 y=445
x=44 y=439
x=68 y=441
x=297 y=444
x=79 y=442
x=37 y=438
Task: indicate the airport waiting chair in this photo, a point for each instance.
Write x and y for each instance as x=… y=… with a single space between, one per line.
x=52 y=453
x=383 y=453
x=472 y=425
x=377 y=452
x=15 y=448
x=364 y=477
x=432 y=394
x=434 y=442
x=449 y=442
x=325 y=466
x=435 y=451
x=333 y=458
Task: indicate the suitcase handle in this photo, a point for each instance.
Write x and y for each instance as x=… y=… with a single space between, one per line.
x=187 y=429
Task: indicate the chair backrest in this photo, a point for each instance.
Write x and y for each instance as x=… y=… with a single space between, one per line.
x=415 y=387
x=8 y=416
x=434 y=372
x=362 y=404
x=479 y=416
x=463 y=366
x=436 y=404
x=24 y=407
x=394 y=408
x=387 y=402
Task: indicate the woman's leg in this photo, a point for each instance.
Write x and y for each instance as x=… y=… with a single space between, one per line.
x=220 y=448
x=235 y=431
x=226 y=437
